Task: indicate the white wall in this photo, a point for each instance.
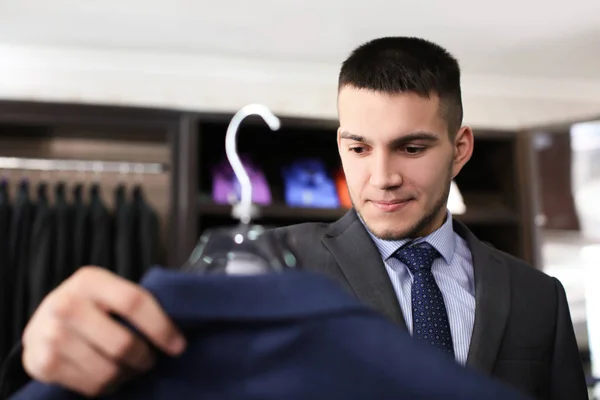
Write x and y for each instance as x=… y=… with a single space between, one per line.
x=199 y=82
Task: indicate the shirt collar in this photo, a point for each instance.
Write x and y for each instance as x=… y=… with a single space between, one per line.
x=442 y=239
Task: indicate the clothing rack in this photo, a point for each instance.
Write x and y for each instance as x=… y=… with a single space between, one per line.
x=42 y=164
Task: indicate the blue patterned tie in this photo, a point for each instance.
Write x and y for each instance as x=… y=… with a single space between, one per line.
x=430 y=319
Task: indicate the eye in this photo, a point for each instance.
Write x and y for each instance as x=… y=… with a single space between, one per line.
x=357 y=150
x=414 y=150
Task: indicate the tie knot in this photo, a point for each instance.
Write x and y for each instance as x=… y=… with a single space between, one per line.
x=417 y=258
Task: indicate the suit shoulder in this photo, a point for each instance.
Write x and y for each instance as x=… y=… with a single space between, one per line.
x=521 y=269
x=313 y=230
x=306 y=241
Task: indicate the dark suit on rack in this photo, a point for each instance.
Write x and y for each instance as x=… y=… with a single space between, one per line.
x=6 y=272
x=100 y=218
x=23 y=217
x=124 y=230
x=41 y=269
x=523 y=334
x=63 y=239
x=147 y=228
x=136 y=230
x=82 y=229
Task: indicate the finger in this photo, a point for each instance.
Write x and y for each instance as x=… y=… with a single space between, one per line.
x=58 y=348
x=112 y=339
x=71 y=377
x=96 y=371
x=134 y=304
x=53 y=367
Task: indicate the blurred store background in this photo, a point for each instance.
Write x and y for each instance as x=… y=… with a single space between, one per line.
x=134 y=96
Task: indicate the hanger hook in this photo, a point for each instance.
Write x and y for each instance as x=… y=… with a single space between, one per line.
x=243 y=210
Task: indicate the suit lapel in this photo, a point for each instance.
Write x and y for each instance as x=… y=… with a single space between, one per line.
x=492 y=302
x=360 y=262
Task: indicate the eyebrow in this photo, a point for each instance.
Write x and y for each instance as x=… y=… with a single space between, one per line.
x=403 y=140
x=356 y=138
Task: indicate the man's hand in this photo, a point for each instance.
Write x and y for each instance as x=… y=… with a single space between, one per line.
x=72 y=340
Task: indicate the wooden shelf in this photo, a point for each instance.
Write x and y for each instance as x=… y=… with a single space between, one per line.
x=279 y=211
x=475 y=215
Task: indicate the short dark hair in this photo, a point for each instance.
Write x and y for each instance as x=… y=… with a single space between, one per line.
x=407 y=64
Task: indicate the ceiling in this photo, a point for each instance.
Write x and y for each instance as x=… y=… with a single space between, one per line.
x=528 y=41
x=523 y=37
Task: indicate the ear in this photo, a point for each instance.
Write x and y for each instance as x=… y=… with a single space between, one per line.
x=464 y=143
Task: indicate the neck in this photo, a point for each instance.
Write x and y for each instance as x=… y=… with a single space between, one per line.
x=433 y=224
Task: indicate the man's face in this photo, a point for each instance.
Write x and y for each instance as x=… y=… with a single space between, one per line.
x=398 y=160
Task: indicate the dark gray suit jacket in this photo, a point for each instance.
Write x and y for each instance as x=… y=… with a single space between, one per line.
x=523 y=333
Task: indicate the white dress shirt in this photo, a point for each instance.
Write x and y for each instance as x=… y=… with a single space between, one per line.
x=453 y=272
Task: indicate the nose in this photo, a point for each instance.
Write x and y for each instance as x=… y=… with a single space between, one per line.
x=383 y=174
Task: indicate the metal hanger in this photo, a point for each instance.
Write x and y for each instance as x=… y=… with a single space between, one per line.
x=245 y=210
x=245 y=248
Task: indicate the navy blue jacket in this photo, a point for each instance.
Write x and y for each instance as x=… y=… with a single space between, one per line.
x=295 y=335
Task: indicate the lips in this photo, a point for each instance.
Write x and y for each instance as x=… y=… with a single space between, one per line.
x=390 y=205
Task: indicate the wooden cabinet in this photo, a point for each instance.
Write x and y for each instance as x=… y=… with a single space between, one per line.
x=97 y=133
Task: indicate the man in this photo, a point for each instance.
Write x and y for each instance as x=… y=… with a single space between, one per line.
x=401 y=141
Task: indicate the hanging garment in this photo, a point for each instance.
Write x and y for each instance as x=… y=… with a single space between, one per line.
x=41 y=269
x=6 y=273
x=262 y=337
x=148 y=241
x=82 y=240
x=226 y=188
x=64 y=238
x=342 y=189
x=307 y=184
x=101 y=247
x=24 y=214
x=126 y=256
